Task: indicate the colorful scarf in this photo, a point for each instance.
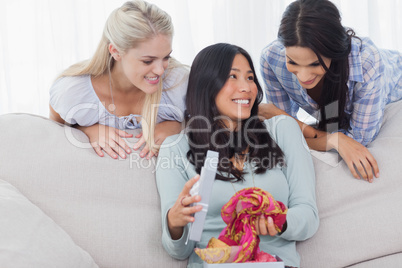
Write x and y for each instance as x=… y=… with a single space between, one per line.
x=238 y=241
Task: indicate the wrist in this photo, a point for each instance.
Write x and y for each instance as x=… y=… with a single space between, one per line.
x=176 y=232
x=333 y=141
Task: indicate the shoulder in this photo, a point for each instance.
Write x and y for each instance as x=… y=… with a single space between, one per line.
x=283 y=129
x=273 y=52
x=175 y=84
x=176 y=77
x=367 y=50
x=71 y=87
x=364 y=60
x=174 y=94
x=74 y=99
x=176 y=144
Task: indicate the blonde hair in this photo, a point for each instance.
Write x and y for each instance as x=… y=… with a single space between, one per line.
x=134 y=22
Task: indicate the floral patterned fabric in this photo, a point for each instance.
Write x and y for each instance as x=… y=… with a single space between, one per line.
x=238 y=241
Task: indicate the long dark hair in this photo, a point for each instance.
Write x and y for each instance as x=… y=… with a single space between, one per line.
x=209 y=72
x=316 y=24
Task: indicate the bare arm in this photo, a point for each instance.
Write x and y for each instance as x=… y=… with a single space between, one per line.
x=268 y=110
x=53 y=115
x=101 y=137
x=162 y=131
x=356 y=156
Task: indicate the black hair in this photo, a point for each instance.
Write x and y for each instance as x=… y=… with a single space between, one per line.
x=316 y=24
x=209 y=73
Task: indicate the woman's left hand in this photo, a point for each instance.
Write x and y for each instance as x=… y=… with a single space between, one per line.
x=162 y=131
x=264 y=228
x=356 y=156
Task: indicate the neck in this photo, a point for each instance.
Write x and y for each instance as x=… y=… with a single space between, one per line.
x=315 y=92
x=119 y=81
x=231 y=125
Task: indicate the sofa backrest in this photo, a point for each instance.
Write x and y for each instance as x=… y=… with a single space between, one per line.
x=109 y=207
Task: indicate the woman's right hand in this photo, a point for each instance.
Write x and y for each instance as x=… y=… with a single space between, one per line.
x=108 y=139
x=182 y=213
x=355 y=155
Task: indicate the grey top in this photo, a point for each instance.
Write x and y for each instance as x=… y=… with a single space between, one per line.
x=75 y=100
x=294 y=185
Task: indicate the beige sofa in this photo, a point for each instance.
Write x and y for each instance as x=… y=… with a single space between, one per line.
x=63 y=206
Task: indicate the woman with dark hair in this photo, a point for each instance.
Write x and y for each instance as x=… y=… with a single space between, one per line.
x=344 y=81
x=222 y=115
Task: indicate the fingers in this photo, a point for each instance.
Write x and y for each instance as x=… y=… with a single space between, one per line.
x=364 y=169
x=116 y=146
x=139 y=143
x=352 y=168
x=123 y=134
x=262 y=226
x=186 y=201
x=189 y=184
x=257 y=226
x=271 y=227
x=182 y=213
x=265 y=226
x=358 y=158
x=108 y=139
x=145 y=151
x=121 y=143
x=374 y=165
x=98 y=150
x=109 y=151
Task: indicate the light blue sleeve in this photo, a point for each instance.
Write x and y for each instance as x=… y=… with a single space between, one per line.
x=302 y=217
x=173 y=100
x=171 y=175
x=74 y=99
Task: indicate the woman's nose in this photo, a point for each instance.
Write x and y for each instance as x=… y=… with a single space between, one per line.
x=244 y=86
x=304 y=75
x=159 y=68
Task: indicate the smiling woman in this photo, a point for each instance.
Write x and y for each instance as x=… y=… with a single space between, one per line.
x=126 y=84
x=237 y=96
x=224 y=94
x=344 y=81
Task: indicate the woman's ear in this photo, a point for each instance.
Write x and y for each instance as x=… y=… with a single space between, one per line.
x=114 y=52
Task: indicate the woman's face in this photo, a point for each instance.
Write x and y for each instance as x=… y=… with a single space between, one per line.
x=236 y=98
x=303 y=62
x=144 y=65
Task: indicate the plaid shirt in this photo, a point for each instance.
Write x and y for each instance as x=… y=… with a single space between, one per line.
x=375 y=79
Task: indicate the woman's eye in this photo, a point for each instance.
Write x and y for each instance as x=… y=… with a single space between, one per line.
x=315 y=64
x=232 y=76
x=167 y=58
x=251 y=78
x=291 y=62
x=147 y=62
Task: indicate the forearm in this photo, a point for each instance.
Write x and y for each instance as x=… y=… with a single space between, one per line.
x=53 y=115
x=175 y=232
x=177 y=248
x=269 y=110
x=325 y=142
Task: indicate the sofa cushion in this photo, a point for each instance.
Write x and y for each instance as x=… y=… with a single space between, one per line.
x=359 y=221
x=109 y=207
x=29 y=238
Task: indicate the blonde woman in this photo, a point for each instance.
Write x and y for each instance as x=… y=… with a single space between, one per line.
x=130 y=82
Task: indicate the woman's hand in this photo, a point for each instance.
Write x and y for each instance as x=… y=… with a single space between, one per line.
x=162 y=131
x=181 y=213
x=108 y=139
x=265 y=226
x=355 y=155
